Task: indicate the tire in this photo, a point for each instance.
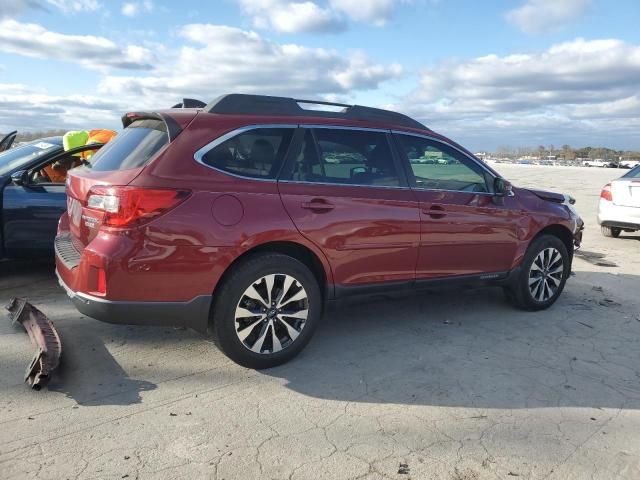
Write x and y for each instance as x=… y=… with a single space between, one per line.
x=610 y=231
x=540 y=265
x=274 y=337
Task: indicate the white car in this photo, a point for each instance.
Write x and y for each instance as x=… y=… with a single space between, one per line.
x=619 y=208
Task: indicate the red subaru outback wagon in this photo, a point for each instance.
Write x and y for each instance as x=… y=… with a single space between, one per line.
x=244 y=217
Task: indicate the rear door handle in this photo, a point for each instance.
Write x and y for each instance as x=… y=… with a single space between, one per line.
x=318 y=205
x=435 y=211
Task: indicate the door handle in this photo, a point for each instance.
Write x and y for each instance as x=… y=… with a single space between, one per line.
x=435 y=211
x=318 y=205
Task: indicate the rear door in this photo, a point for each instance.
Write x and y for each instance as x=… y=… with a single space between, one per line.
x=31 y=210
x=346 y=192
x=463 y=231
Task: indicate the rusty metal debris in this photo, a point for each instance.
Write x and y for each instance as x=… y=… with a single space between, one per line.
x=43 y=335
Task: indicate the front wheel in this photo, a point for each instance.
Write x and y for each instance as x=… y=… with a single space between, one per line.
x=266 y=311
x=543 y=273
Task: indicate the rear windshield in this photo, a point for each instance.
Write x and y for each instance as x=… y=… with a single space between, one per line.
x=133 y=147
x=635 y=173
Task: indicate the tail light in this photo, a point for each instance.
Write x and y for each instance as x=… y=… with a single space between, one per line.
x=132 y=206
x=605 y=194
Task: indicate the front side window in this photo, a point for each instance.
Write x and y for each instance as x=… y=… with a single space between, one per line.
x=256 y=153
x=56 y=172
x=439 y=167
x=342 y=156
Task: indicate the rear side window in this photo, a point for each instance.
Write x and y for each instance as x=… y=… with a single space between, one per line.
x=257 y=153
x=133 y=147
x=342 y=156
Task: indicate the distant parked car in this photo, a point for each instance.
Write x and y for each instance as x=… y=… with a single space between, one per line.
x=595 y=163
x=629 y=164
x=30 y=201
x=619 y=209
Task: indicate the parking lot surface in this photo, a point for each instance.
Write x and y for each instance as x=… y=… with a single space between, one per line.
x=451 y=384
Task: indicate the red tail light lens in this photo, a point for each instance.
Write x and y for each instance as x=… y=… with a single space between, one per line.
x=605 y=194
x=132 y=206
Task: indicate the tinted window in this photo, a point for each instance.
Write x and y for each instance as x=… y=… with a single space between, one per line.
x=634 y=173
x=133 y=147
x=19 y=157
x=351 y=157
x=439 y=167
x=256 y=153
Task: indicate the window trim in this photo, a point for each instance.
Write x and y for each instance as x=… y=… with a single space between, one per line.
x=43 y=163
x=200 y=153
x=411 y=175
x=402 y=177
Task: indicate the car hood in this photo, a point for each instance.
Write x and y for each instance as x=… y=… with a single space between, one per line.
x=549 y=196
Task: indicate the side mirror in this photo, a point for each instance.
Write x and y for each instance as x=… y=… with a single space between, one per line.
x=19 y=177
x=502 y=187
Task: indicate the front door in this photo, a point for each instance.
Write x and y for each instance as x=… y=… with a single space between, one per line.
x=31 y=210
x=346 y=192
x=463 y=231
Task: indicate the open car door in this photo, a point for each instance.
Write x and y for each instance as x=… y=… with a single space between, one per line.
x=33 y=203
x=7 y=141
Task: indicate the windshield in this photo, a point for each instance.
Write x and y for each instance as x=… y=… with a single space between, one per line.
x=16 y=157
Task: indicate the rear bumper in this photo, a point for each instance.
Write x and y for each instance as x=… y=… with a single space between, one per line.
x=622 y=225
x=191 y=314
x=611 y=215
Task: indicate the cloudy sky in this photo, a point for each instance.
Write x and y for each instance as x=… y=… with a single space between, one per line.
x=490 y=73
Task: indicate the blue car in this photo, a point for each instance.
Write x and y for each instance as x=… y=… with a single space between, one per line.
x=32 y=193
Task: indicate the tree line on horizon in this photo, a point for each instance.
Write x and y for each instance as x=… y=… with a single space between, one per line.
x=568 y=153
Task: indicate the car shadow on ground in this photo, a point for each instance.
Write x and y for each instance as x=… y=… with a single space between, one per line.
x=468 y=348
x=91 y=376
x=457 y=347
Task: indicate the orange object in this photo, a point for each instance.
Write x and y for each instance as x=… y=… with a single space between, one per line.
x=100 y=135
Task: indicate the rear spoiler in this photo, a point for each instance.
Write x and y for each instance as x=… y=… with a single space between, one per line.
x=173 y=129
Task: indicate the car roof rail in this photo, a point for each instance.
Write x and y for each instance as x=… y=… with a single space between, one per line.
x=245 y=104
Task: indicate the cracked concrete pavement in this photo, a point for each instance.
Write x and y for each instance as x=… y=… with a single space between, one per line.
x=450 y=384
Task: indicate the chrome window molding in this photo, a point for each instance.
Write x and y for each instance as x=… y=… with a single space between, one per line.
x=200 y=153
x=387 y=187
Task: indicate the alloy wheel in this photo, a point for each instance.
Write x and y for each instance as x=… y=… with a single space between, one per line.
x=545 y=274
x=271 y=313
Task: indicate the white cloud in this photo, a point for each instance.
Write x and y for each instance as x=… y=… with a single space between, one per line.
x=33 y=40
x=375 y=12
x=133 y=9
x=74 y=6
x=24 y=108
x=292 y=17
x=287 y=16
x=541 y=16
x=225 y=59
x=11 y=8
x=582 y=85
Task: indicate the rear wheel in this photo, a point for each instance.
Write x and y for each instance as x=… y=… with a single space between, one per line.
x=266 y=311
x=610 y=231
x=543 y=273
